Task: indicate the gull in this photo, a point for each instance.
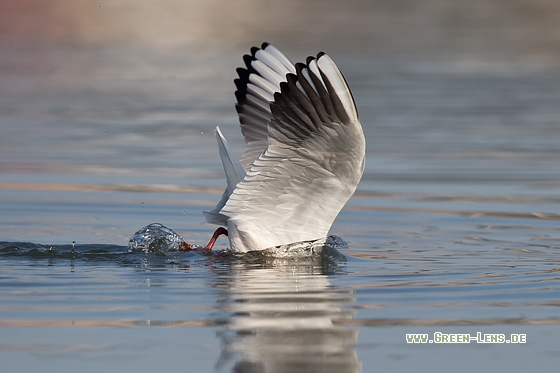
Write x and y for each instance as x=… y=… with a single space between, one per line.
x=304 y=158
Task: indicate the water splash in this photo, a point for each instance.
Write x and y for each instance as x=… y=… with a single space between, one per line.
x=307 y=248
x=158 y=238
x=155 y=238
x=324 y=249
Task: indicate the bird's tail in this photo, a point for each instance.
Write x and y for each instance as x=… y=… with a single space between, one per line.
x=234 y=174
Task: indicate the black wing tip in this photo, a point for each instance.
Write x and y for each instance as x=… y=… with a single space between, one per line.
x=290 y=78
x=241 y=84
x=241 y=96
x=284 y=88
x=300 y=66
x=278 y=96
x=254 y=51
x=248 y=59
x=245 y=72
x=320 y=54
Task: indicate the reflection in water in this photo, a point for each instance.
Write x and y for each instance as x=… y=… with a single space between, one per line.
x=281 y=316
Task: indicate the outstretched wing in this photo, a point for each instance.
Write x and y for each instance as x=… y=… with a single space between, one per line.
x=310 y=165
x=265 y=68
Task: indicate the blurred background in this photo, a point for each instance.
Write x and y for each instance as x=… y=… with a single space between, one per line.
x=524 y=30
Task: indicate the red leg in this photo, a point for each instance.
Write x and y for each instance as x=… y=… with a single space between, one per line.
x=216 y=234
x=186 y=247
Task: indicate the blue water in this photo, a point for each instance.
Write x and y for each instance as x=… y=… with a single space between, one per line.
x=106 y=120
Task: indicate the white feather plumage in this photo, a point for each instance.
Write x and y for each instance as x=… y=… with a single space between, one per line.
x=305 y=152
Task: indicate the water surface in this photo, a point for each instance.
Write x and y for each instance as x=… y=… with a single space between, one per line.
x=454 y=227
